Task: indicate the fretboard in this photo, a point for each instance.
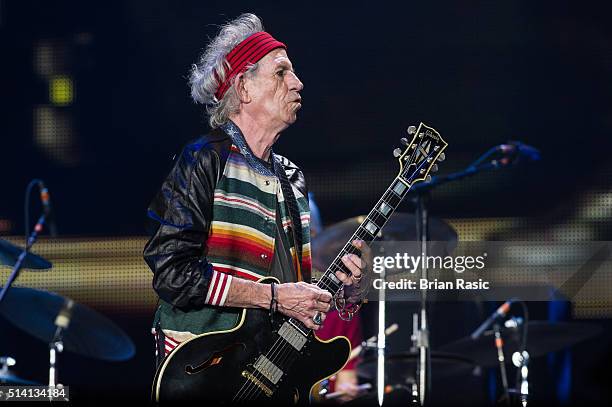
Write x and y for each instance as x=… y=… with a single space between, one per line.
x=368 y=231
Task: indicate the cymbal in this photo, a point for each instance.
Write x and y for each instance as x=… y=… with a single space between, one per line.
x=9 y=253
x=88 y=333
x=401 y=367
x=401 y=227
x=9 y=378
x=542 y=337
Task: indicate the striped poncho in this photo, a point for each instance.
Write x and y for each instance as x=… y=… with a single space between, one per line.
x=241 y=239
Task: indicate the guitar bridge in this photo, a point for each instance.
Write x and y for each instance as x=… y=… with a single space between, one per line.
x=249 y=376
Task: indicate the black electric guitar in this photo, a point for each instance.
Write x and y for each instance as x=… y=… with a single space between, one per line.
x=279 y=363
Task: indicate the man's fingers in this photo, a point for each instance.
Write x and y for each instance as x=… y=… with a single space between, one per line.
x=324 y=296
x=322 y=306
x=354 y=264
x=346 y=280
x=307 y=320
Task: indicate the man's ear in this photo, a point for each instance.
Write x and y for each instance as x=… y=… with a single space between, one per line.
x=241 y=89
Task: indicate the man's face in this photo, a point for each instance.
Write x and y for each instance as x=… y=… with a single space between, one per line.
x=274 y=90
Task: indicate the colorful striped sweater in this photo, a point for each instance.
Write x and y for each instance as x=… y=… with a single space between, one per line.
x=241 y=238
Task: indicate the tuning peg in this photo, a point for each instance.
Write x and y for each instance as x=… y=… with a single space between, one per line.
x=428 y=178
x=404 y=141
x=411 y=130
x=434 y=168
x=441 y=157
x=397 y=152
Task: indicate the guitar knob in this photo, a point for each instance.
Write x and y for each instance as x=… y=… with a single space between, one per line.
x=397 y=152
x=428 y=178
x=442 y=157
x=434 y=168
x=404 y=141
x=411 y=130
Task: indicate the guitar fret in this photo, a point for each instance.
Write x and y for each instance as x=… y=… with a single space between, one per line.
x=392 y=199
x=378 y=219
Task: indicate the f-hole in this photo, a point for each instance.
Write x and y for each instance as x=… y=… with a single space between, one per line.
x=214 y=359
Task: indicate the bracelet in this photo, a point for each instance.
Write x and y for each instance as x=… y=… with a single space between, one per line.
x=345 y=311
x=273 y=302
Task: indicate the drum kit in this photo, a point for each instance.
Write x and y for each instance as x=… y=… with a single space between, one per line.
x=487 y=349
x=57 y=321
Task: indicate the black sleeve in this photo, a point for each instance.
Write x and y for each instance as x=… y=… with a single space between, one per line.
x=183 y=209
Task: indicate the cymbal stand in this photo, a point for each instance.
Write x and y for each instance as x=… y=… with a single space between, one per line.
x=62 y=321
x=521 y=360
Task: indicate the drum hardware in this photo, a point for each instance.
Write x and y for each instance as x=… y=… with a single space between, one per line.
x=7 y=377
x=370 y=343
x=9 y=254
x=521 y=360
x=20 y=262
x=52 y=318
x=544 y=337
x=65 y=325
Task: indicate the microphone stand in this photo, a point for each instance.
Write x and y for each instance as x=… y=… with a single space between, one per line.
x=420 y=337
x=19 y=263
x=499 y=345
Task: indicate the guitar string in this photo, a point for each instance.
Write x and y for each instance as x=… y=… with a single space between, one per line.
x=273 y=353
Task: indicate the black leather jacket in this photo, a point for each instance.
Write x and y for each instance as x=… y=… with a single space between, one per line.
x=176 y=253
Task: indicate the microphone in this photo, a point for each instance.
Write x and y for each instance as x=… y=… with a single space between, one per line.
x=520 y=150
x=45 y=198
x=499 y=313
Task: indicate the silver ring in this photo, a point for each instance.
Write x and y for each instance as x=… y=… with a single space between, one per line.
x=317 y=318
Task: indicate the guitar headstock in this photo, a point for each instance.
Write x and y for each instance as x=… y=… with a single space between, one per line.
x=419 y=156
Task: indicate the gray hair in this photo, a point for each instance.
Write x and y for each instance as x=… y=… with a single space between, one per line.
x=203 y=80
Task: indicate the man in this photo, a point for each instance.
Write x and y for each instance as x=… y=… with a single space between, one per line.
x=231 y=211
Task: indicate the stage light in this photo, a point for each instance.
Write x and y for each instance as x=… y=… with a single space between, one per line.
x=61 y=90
x=54 y=135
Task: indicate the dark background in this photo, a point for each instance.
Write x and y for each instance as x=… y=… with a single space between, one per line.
x=480 y=72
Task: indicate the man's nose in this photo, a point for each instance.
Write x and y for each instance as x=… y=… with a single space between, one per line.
x=296 y=83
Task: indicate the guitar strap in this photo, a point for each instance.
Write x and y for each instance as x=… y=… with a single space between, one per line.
x=294 y=213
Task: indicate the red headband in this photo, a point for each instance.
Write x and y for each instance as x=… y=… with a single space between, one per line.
x=246 y=53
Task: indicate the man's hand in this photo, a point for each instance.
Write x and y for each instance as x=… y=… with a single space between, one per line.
x=357 y=266
x=303 y=301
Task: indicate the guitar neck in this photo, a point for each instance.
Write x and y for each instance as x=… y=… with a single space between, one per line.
x=368 y=231
x=416 y=161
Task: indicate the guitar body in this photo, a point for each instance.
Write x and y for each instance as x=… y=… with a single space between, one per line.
x=210 y=366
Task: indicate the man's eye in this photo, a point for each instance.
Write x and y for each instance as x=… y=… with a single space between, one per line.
x=280 y=73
